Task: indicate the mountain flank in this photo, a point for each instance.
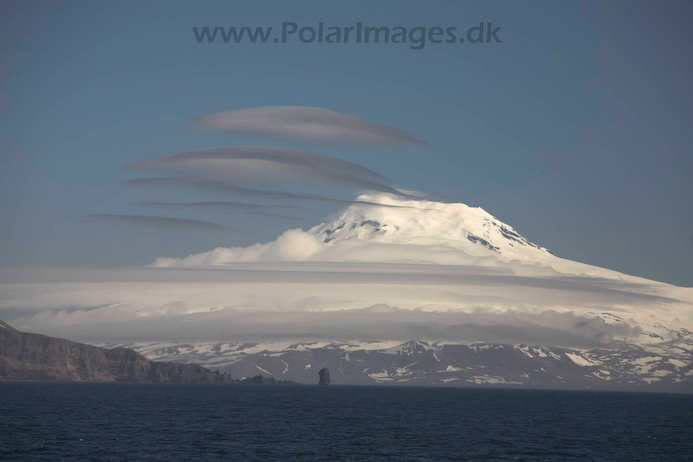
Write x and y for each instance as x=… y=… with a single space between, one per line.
x=26 y=356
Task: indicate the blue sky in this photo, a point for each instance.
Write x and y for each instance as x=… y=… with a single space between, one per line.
x=575 y=130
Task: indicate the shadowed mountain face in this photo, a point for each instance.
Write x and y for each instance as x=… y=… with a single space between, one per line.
x=25 y=356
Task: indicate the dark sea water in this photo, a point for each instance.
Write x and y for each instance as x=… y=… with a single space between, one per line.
x=45 y=421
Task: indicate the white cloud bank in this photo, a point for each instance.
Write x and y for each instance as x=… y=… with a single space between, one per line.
x=271 y=300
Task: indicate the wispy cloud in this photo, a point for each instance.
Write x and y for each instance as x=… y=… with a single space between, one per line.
x=282 y=155
x=156 y=222
x=306 y=123
x=245 y=162
x=255 y=209
x=213 y=185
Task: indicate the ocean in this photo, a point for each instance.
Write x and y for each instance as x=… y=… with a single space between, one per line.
x=115 y=422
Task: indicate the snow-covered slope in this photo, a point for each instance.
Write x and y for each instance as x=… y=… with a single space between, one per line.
x=439 y=232
x=427 y=223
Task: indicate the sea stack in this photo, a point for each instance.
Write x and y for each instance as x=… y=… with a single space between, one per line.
x=324 y=376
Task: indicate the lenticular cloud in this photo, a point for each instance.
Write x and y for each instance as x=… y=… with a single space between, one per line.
x=306 y=123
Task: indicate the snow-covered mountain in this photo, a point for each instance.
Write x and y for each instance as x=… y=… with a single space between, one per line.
x=490 y=265
x=390 y=290
x=385 y=228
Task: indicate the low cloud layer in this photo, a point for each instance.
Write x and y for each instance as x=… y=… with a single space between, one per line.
x=306 y=123
x=375 y=323
x=266 y=301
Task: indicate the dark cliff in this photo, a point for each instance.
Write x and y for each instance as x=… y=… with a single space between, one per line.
x=25 y=356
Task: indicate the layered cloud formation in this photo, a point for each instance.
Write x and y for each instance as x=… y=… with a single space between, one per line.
x=237 y=170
